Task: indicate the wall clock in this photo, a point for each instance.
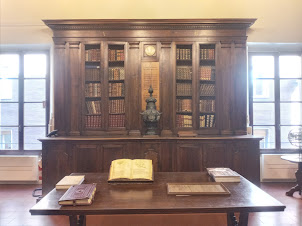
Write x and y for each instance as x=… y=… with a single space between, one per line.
x=150 y=50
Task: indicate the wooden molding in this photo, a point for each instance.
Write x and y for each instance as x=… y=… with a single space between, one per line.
x=133 y=45
x=166 y=44
x=74 y=45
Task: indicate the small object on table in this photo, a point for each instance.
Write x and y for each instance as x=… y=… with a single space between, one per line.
x=220 y=174
x=68 y=181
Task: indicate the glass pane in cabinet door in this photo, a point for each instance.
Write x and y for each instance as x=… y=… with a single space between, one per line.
x=9 y=90
x=9 y=113
x=35 y=65
x=290 y=66
x=284 y=137
x=31 y=136
x=290 y=90
x=263 y=90
x=268 y=132
x=264 y=114
x=263 y=67
x=291 y=113
x=34 y=89
x=9 y=66
x=34 y=114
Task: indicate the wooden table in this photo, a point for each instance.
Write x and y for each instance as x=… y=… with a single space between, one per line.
x=153 y=199
x=295 y=159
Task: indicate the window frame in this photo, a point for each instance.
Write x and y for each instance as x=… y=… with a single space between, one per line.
x=277 y=102
x=21 y=101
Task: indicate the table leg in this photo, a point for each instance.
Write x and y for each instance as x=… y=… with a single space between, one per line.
x=74 y=221
x=298 y=187
x=243 y=219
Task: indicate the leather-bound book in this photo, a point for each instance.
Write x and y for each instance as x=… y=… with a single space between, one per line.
x=82 y=194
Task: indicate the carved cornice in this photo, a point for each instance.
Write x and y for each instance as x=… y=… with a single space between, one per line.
x=133 y=45
x=166 y=44
x=185 y=24
x=74 y=45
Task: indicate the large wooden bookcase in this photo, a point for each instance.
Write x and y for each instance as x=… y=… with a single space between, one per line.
x=197 y=68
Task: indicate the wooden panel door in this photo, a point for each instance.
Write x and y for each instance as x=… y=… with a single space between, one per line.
x=188 y=158
x=111 y=152
x=215 y=155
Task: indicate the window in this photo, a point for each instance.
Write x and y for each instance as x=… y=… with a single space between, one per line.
x=275 y=93
x=24 y=88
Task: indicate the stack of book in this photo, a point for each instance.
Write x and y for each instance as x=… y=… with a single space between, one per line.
x=223 y=175
x=184 y=105
x=116 y=55
x=116 y=73
x=116 y=89
x=183 y=54
x=184 y=73
x=117 y=120
x=207 y=120
x=92 y=55
x=68 y=181
x=93 y=121
x=207 y=54
x=184 y=120
x=183 y=89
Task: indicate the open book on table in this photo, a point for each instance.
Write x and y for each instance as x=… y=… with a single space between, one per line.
x=131 y=170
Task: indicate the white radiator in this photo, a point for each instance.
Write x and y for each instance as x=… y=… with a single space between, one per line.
x=274 y=169
x=18 y=168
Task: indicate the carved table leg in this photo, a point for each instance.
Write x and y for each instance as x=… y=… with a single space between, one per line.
x=232 y=221
x=298 y=187
x=243 y=219
x=74 y=221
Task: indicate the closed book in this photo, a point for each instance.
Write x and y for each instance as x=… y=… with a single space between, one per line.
x=67 y=181
x=223 y=174
x=82 y=194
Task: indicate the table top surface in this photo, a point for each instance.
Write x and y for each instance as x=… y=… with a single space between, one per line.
x=152 y=198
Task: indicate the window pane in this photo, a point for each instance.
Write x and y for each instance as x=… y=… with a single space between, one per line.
x=290 y=90
x=263 y=90
x=34 y=89
x=9 y=114
x=263 y=67
x=9 y=65
x=290 y=66
x=284 y=137
x=9 y=139
x=291 y=113
x=9 y=90
x=264 y=114
x=34 y=114
x=31 y=136
x=268 y=132
x=35 y=66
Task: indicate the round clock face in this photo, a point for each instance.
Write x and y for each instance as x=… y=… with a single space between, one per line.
x=150 y=50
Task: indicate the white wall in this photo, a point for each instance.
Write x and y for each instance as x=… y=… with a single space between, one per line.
x=21 y=20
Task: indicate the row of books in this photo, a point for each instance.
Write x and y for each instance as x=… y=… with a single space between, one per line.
x=183 y=89
x=116 y=120
x=116 y=89
x=206 y=121
x=207 y=73
x=184 y=105
x=94 y=107
x=116 y=55
x=207 y=54
x=117 y=106
x=93 y=121
x=207 y=105
x=92 y=55
x=184 y=120
x=184 y=72
x=116 y=73
x=207 y=90
x=93 y=90
x=92 y=74
x=183 y=54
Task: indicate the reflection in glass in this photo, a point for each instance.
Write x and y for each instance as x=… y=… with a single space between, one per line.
x=34 y=89
x=31 y=136
x=9 y=139
x=284 y=137
x=9 y=90
x=264 y=114
x=263 y=90
x=290 y=67
x=268 y=132
x=290 y=90
x=290 y=113
x=9 y=65
x=34 y=114
x=35 y=66
x=9 y=114
x=263 y=67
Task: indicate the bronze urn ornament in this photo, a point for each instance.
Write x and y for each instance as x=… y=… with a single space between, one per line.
x=151 y=116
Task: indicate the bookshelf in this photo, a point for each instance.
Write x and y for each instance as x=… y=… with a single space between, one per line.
x=93 y=97
x=207 y=86
x=116 y=86
x=184 y=89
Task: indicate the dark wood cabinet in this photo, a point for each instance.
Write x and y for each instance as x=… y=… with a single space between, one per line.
x=102 y=70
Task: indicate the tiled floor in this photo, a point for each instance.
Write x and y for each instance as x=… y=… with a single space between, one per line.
x=16 y=200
